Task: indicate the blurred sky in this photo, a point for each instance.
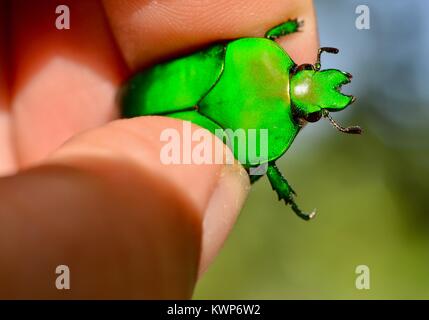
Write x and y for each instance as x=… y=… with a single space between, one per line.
x=389 y=62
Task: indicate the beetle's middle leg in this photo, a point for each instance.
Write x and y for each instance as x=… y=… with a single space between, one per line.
x=288 y=27
x=284 y=191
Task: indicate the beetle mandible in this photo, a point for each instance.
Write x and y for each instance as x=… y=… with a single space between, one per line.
x=248 y=83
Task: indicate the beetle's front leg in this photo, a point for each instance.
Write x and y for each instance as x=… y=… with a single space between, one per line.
x=284 y=191
x=288 y=27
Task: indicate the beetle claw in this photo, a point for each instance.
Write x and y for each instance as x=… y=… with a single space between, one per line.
x=303 y=215
x=312 y=214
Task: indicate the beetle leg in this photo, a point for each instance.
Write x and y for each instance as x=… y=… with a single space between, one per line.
x=285 y=192
x=285 y=28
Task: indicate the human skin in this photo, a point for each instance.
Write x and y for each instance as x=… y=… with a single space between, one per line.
x=85 y=190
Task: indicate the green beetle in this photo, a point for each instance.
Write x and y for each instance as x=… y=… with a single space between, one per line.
x=248 y=83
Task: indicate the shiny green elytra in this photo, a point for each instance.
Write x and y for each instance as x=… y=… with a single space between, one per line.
x=248 y=83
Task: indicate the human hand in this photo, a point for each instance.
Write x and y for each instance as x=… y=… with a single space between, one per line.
x=102 y=203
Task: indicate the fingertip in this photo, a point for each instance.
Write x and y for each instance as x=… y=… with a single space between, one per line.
x=303 y=45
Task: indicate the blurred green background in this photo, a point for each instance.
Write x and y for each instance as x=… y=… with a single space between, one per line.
x=371 y=191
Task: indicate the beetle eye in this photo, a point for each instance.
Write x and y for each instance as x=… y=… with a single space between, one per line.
x=314 y=116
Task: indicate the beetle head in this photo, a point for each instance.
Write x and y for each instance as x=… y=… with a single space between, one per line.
x=315 y=92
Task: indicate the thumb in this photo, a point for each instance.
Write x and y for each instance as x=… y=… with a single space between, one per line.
x=127 y=225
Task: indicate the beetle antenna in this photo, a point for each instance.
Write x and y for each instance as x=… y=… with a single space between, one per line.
x=318 y=65
x=351 y=129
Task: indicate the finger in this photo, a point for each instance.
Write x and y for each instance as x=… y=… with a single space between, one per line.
x=127 y=225
x=227 y=195
x=4 y=41
x=65 y=80
x=148 y=31
x=6 y=151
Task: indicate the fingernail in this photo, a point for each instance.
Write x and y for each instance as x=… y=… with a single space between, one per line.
x=222 y=211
